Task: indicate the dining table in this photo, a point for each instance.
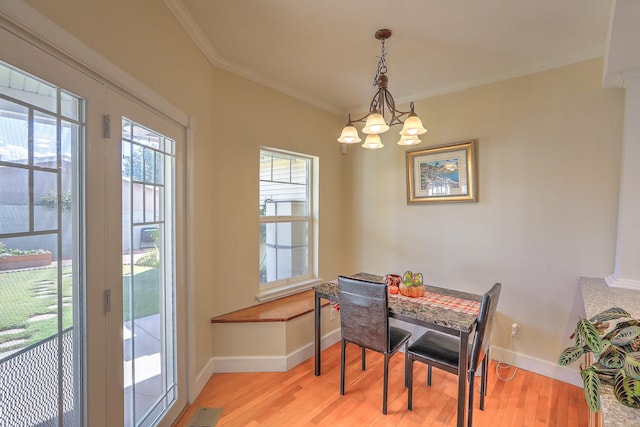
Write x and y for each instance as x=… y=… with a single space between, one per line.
x=445 y=310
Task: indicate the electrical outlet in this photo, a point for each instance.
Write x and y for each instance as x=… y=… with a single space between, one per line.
x=515 y=329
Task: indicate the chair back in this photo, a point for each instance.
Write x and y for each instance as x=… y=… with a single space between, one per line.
x=364 y=313
x=484 y=327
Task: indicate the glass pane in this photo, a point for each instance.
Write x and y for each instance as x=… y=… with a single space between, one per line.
x=150 y=203
x=14 y=199
x=14 y=132
x=137 y=163
x=20 y=85
x=45 y=197
x=70 y=105
x=299 y=171
x=149 y=165
x=126 y=160
x=69 y=138
x=159 y=169
x=144 y=136
x=45 y=153
x=265 y=166
x=283 y=185
x=285 y=250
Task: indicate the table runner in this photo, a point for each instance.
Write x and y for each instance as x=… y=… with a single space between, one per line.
x=438 y=300
x=450 y=303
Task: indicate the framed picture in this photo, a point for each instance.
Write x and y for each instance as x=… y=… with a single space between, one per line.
x=446 y=173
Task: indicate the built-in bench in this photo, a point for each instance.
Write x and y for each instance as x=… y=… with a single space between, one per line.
x=271 y=336
x=280 y=310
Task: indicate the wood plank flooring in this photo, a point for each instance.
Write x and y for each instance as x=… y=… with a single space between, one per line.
x=299 y=398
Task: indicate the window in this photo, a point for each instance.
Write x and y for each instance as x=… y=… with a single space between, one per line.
x=286 y=219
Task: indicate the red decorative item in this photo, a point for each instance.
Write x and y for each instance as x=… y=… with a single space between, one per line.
x=393 y=281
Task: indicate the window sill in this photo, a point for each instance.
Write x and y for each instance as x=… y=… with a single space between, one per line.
x=284 y=291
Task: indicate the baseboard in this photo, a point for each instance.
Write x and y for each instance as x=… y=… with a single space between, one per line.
x=542 y=367
x=263 y=363
x=284 y=363
x=201 y=380
x=614 y=281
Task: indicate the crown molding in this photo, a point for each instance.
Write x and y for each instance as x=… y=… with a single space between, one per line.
x=193 y=29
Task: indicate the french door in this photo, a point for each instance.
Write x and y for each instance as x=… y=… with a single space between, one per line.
x=89 y=184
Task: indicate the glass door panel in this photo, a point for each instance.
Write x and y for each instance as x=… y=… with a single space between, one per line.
x=150 y=361
x=41 y=284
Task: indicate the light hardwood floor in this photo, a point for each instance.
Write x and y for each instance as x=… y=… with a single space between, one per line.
x=299 y=398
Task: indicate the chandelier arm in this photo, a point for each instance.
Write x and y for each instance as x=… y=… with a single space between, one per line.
x=362 y=119
x=396 y=115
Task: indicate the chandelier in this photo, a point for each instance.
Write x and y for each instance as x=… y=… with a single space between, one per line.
x=383 y=105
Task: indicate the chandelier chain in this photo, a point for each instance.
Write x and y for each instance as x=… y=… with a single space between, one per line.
x=382 y=64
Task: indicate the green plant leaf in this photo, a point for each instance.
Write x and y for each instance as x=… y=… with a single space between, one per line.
x=603 y=370
x=610 y=314
x=626 y=335
x=627 y=390
x=604 y=345
x=632 y=365
x=592 y=387
x=613 y=358
x=589 y=333
x=570 y=355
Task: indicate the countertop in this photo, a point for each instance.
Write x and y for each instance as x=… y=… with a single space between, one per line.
x=597 y=298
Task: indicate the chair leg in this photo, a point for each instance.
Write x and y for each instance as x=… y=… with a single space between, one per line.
x=386 y=383
x=342 y=362
x=471 y=392
x=409 y=381
x=406 y=362
x=483 y=380
x=364 y=358
x=429 y=375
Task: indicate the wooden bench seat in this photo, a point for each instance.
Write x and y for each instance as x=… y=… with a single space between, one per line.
x=280 y=310
x=272 y=336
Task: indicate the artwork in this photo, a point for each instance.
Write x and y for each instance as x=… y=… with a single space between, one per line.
x=446 y=173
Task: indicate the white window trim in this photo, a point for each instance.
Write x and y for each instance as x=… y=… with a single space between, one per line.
x=290 y=286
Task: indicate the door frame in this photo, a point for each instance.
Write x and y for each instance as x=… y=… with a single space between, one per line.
x=30 y=25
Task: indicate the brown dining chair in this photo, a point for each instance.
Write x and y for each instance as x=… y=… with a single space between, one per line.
x=442 y=351
x=364 y=321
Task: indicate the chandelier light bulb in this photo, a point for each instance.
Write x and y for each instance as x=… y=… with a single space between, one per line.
x=373 y=142
x=413 y=126
x=375 y=124
x=409 y=140
x=349 y=135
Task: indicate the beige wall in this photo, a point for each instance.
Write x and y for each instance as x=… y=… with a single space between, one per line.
x=549 y=155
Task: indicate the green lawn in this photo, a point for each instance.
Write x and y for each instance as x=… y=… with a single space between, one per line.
x=146 y=296
x=28 y=293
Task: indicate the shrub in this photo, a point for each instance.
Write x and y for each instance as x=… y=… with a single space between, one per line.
x=6 y=252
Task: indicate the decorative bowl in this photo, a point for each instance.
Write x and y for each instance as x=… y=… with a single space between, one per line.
x=412 y=291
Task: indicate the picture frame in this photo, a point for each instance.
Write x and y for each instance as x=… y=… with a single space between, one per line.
x=444 y=173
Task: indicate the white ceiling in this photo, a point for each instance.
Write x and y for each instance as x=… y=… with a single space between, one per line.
x=324 y=51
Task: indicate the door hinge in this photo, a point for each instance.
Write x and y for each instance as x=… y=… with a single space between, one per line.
x=107 y=300
x=107 y=126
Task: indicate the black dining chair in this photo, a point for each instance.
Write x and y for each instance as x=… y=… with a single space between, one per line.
x=442 y=351
x=364 y=321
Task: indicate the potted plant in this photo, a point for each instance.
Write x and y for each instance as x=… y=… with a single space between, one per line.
x=613 y=338
x=12 y=259
x=412 y=285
